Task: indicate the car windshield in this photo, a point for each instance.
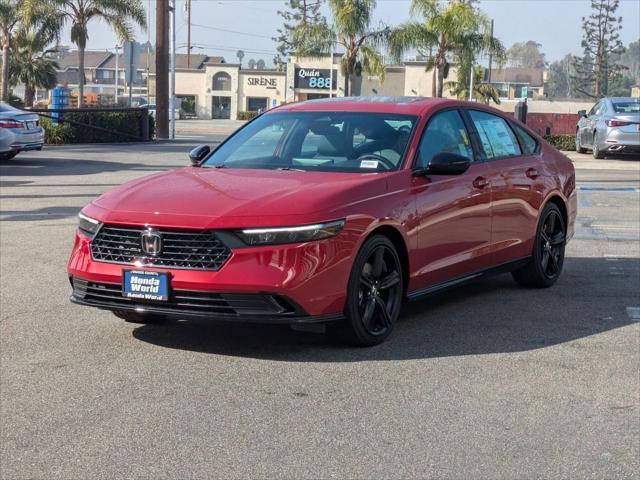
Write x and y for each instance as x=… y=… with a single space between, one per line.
x=318 y=141
x=626 y=107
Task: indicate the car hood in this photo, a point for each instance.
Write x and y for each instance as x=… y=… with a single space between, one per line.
x=227 y=198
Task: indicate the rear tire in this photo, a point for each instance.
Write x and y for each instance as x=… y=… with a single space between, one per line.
x=8 y=155
x=144 y=318
x=579 y=147
x=545 y=266
x=374 y=294
x=597 y=153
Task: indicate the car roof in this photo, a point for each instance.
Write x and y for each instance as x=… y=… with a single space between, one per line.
x=381 y=104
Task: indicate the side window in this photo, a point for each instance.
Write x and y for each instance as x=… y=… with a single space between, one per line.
x=497 y=138
x=594 y=109
x=529 y=144
x=445 y=133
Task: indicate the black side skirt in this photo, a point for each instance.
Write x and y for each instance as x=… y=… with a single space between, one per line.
x=454 y=282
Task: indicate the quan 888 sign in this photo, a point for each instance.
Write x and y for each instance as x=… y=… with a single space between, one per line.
x=316 y=78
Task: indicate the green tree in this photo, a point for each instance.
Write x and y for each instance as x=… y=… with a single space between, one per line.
x=455 y=30
x=353 y=32
x=10 y=16
x=296 y=14
x=31 y=63
x=526 y=55
x=120 y=15
x=482 y=91
x=600 y=41
x=630 y=59
x=16 y=16
x=559 y=83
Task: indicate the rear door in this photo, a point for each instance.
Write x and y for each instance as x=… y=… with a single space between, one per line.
x=453 y=210
x=514 y=170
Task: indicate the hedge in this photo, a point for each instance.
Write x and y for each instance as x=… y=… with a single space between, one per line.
x=562 y=142
x=127 y=122
x=247 y=115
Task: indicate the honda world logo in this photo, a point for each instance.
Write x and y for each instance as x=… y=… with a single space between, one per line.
x=151 y=242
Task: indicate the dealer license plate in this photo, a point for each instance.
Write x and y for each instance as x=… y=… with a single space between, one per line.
x=145 y=285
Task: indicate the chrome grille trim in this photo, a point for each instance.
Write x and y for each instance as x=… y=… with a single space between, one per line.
x=185 y=250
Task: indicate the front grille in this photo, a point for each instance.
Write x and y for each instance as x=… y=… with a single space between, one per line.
x=109 y=295
x=180 y=249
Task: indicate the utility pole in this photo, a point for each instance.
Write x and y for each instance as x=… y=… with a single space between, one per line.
x=172 y=67
x=490 y=56
x=116 y=96
x=162 y=68
x=188 y=4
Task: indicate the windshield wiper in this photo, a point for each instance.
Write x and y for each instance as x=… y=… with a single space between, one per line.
x=291 y=169
x=222 y=165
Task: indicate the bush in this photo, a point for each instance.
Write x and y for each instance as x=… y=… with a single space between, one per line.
x=118 y=123
x=247 y=115
x=55 y=134
x=562 y=142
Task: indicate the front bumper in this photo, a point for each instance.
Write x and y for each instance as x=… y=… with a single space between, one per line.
x=297 y=283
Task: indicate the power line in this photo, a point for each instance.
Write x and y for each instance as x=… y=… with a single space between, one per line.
x=230 y=31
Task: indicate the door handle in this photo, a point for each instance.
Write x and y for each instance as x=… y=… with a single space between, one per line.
x=480 y=182
x=532 y=173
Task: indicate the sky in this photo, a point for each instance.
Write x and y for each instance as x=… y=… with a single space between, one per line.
x=221 y=27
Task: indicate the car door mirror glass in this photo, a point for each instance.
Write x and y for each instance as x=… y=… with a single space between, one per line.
x=198 y=154
x=446 y=163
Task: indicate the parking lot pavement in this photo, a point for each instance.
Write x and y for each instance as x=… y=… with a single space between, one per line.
x=487 y=381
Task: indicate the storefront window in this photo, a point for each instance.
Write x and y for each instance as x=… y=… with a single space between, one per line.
x=255 y=104
x=221 y=81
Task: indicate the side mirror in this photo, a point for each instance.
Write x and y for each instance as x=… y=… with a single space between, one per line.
x=448 y=164
x=197 y=154
x=582 y=113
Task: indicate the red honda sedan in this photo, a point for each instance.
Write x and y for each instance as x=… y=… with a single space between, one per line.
x=332 y=211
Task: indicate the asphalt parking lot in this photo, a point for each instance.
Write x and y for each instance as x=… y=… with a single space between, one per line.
x=487 y=381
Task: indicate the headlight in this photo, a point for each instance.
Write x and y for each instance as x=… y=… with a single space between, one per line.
x=88 y=225
x=304 y=233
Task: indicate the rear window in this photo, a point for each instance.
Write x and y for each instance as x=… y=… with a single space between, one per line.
x=626 y=107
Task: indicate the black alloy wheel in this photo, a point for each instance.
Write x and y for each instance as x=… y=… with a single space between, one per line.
x=551 y=244
x=374 y=295
x=547 y=257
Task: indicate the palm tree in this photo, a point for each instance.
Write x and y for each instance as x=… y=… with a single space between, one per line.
x=453 y=29
x=352 y=31
x=482 y=92
x=119 y=14
x=10 y=16
x=31 y=62
x=21 y=15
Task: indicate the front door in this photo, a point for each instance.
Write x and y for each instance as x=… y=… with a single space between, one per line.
x=453 y=210
x=221 y=107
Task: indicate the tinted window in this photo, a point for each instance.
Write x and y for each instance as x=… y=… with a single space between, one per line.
x=323 y=141
x=497 y=138
x=445 y=133
x=627 y=107
x=529 y=144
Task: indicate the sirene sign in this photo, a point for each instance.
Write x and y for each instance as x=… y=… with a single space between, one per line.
x=317 y=78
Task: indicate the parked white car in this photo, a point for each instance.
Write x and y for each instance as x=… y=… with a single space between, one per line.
x=19 y=131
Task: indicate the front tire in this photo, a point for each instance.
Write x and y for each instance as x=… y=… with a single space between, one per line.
x=374 y=293
x=143 y=318
x=545 y=266
x=579 y=147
